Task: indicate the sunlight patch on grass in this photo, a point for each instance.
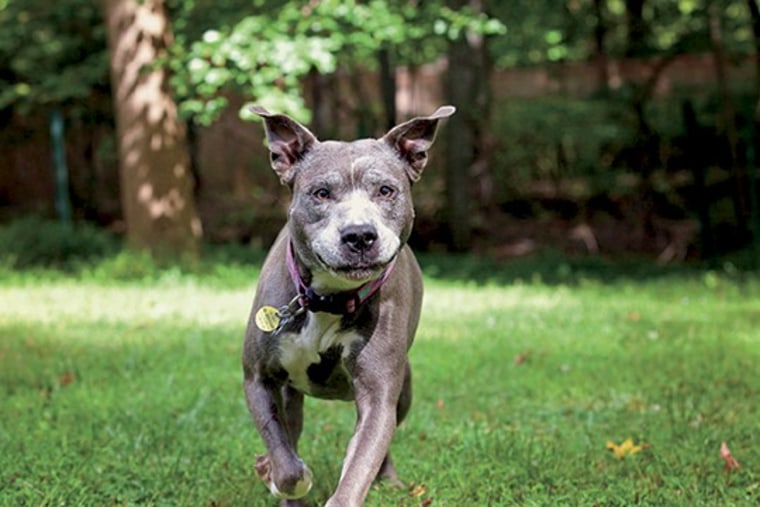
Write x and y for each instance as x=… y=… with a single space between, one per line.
x=438 y=299
x=68 y=302
x=476 y=313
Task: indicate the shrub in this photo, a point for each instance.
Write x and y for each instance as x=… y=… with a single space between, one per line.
x=36 y=242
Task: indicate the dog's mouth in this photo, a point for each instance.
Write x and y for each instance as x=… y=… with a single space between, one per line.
x=361 y=270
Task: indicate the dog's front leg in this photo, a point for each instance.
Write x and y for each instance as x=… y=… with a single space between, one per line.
x=377 y=394
x=286 y=475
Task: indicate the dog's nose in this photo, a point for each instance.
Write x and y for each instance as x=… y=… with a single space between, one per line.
x=358 y=238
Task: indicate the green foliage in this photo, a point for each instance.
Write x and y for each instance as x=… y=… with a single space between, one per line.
x=33 y=250
x=34 y=242
x=229 y=267
x=588 y=146
x=254 y=58
x=552 y=31
x=541 y=31
x=552 y=139
x=55 y=52
x=266 y=56
x=50 y=52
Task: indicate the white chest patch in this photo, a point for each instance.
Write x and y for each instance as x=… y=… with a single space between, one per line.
x=299 y=351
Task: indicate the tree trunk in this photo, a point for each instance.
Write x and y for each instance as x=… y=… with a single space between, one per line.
x=387 y=77
x=754 y=137
x=323 y=104
x=467 y=87
x=699 y=170
x=728 y=116
x=155 y=176
x=460 y=145
x=600 y=50
x=754 y=14
x=638 y=31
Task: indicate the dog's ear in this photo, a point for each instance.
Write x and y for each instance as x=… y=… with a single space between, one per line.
x=288 y=142
x=413 y=139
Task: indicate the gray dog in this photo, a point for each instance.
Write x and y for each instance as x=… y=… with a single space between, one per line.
x=338 y=301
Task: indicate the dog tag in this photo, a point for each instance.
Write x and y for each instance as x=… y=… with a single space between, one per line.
x=268 y=318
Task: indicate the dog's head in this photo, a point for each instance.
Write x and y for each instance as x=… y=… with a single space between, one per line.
x=351 y=210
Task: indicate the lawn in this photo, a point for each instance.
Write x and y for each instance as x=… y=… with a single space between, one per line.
x=129 y=392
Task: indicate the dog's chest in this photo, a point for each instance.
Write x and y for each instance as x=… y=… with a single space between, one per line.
x=314 y=357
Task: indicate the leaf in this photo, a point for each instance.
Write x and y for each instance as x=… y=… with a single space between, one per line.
x=731 y=462
x=627 y=448
x=417 y=491
x=66 y=378
x=521 y=357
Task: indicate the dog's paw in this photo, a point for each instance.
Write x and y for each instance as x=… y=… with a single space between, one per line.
x=387 y=474
x=300 y=489
x=299 y=485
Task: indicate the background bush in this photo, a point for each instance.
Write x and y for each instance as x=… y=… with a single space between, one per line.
x=36 y=242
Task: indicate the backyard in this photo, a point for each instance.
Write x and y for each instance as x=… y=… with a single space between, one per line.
x=529 y=378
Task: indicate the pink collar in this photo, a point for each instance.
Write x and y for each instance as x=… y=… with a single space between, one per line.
x=341 y=303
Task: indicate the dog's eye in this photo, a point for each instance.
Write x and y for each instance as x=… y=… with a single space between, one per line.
x=322 y=194
x=386 y=191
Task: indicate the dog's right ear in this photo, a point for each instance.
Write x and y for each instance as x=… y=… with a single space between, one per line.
x=288 y=142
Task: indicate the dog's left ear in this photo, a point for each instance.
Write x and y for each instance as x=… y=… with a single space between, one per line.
x=413 y=139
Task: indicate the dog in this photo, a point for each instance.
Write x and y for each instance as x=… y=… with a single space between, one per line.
x=338 y=302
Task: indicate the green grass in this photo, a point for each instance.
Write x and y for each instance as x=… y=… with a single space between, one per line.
x=129 y=392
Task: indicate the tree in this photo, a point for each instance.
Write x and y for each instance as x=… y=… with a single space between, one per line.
x=754 y=137
x=51 y=54
x=265 y=57
x=461 y=88
x=727 y=113
x=754 y=15
x=637 y=28
x=156 y=181
x=468 y=132
x=600 y=49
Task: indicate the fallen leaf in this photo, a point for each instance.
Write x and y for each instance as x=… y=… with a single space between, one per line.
x=627 y=448
x=634 y=316
x=417 y=491
x=731 y=463
x=65 y=378
x=521 y=357
x=439 y=404
x=427 y=502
